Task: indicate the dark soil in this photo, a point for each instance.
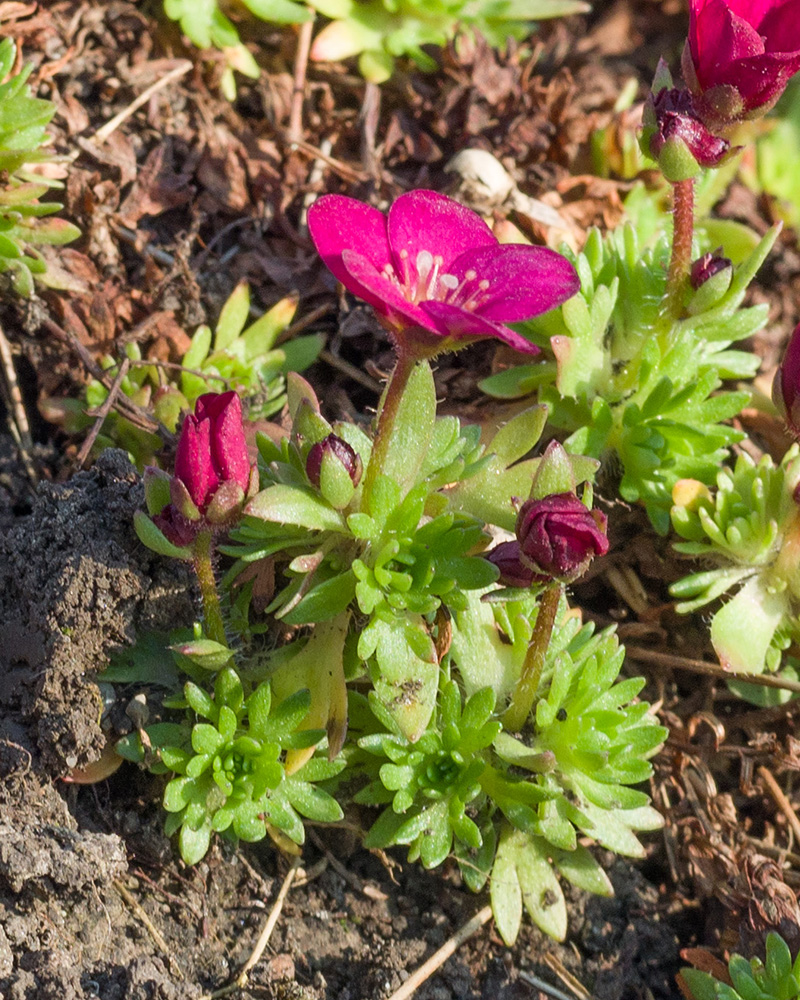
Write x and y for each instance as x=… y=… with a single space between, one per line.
x=187 y=197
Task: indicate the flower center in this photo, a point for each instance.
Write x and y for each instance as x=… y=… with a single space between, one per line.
x=432 y=284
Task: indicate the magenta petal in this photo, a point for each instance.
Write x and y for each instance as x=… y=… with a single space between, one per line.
x=193 y=460
x=717 y=38
x=752 y=11
x=762 y=79
x=425 y=220
x=779 y=26
x=524 y=281
x=228 y=444
x=382 y=293
x=460 y=324
x=336 y=224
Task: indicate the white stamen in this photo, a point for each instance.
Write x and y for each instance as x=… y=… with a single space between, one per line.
x=449 y=281
x=424 y=264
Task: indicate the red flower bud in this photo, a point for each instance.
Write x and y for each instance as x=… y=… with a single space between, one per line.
x=212 y=447
x=707 y=266
x=558 y=536
x=513 y=572
x=740 y=55
x=786 y=387
x=339 y=449
x=212 y=470
x=678 y=127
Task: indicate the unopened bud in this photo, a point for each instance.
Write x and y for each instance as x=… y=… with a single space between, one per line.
x=676 y=137
x=334 y=467
x=558 y=536
x=710 y=277
x=513 y=572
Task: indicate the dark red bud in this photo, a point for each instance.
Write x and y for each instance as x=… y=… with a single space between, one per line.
x=513 y=572
x=558 y=536
x=340 y=449
x=677 y=120
x=707 y=266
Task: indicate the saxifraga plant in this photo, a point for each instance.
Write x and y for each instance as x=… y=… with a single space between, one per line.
x=776 y=979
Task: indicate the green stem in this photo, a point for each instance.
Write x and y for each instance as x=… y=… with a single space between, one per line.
x=204 y=568
x=387 y=415
x=681 y=260
x=528 y=684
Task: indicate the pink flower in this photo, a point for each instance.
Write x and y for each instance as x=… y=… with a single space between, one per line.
x=432 y=269
x=740 y=55
x=212 y=448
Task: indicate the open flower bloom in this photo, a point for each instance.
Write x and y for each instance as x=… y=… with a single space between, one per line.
x=740 y=55
x=433 y=269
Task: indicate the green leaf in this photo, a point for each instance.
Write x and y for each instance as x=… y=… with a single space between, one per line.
x=506 y=892
x=742 y=630
x=516 y=438
x=146 y=662
x=233 y=316
x=581 y=868
x=405 y=681
x=154 y=539
x=194 y=843
x=296 y=506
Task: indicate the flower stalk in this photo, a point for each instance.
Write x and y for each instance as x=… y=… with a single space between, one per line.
x=525 y=692
x=203 y=563
x=680 y=263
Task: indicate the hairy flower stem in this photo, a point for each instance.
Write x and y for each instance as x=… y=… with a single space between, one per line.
x=528 y=683
x=392 y=396
x=203 y=567
x=681 y=260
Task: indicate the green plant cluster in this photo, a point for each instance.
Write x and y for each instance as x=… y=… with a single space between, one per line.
x=24 y=221
x=236 y=354
x=405 y=658
x=208 y=26
x=748 y=529
x=777 y=979
x=380 y=31
x=624 y=380
x=230 y=775
x=514 y=805
x=377 y=31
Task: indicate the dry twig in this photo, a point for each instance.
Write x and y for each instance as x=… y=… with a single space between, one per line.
x=438 y=958
x=19 y=426
x=241 y=980
x=101 y=413
x=781 y=801
x=152 y=930
x=701 y=667
x=112 y=124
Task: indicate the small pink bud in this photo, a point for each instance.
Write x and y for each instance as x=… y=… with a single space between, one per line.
x=558 y=536
x=678 y=139
x=705 y=267
x=339 y=449
x=513 y=573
